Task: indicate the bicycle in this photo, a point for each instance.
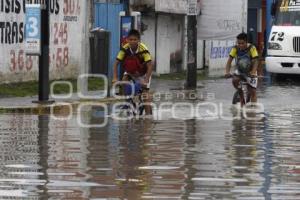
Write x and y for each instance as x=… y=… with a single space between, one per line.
x=241 y=91
x=134 y=100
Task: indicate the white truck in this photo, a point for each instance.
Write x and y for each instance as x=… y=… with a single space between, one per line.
x=284 y=40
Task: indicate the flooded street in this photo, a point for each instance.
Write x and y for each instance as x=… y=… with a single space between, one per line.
x=224 y=158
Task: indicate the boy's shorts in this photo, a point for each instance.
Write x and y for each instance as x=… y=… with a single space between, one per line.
x=140 y=78
x=250 y=81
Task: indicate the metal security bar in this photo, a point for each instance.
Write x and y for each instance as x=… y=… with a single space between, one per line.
x=296 y=44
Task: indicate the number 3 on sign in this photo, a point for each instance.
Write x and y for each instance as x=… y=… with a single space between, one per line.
x=32 y=27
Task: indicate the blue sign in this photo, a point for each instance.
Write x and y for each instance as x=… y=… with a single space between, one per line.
x=127 y=24
x=33 y=29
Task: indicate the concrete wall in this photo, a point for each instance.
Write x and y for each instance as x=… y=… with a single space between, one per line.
x=150 y=3
x=169 y=51
x=148 y=36
x=200 y=54
x=169 y=41
x=166 y=44
x=222 y=20
x=67 y=29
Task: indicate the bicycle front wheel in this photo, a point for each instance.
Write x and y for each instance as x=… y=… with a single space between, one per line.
x=236 y=98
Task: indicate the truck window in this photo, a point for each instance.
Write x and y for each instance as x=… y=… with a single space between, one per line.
x=288 y=13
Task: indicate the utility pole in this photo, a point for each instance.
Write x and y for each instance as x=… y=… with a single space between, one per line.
x=37 y=42
x=44 y=57
x=191 y=82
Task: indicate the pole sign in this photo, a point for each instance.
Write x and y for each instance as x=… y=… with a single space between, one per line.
x=192 y=7
x=33 y=29
x=127 y=23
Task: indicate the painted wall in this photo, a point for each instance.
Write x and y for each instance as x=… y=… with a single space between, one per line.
x=217 y=53
x=67 y=47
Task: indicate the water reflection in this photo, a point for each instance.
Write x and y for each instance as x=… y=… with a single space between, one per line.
x=145 y=159
x=19 y=153
x=43 y=133
x=43 y=158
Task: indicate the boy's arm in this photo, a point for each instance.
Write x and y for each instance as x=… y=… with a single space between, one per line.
x=115 y=76
x=254 y=67
x=232 y=55
x=228 y=65
x=255 y=61
x=149 y=66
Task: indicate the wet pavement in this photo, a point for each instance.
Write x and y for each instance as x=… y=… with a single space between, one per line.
x=223 y=157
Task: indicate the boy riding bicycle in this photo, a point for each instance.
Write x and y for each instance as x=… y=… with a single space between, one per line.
x=246 y=65
x=137 y=64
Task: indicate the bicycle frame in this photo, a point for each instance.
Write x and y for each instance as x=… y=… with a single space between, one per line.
x=242 y=91
x=135 y=103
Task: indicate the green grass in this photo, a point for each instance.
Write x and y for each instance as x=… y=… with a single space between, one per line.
x=31 y=88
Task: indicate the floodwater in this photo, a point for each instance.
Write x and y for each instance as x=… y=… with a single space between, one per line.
x=162 y=158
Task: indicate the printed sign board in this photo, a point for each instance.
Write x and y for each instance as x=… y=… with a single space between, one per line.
x=192 y=7
x=33 y=29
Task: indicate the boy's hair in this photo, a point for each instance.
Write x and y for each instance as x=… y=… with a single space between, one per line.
x=134 y=32
x=242 y=36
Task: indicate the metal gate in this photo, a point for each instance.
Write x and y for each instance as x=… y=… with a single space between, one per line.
x=107 y=17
